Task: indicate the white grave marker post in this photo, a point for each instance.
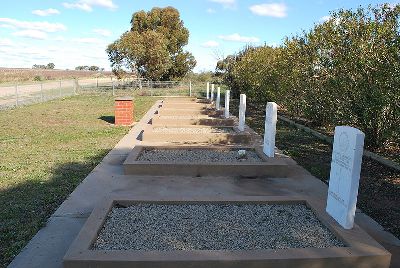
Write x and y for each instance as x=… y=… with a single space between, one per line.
x=271 y=117
x=345 y=175
x=217 y=103
x=208 y=91
x=227 y=97
x=242 y=111
x=212 y=92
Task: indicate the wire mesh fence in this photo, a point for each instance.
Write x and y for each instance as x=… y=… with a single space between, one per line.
x=17 y=95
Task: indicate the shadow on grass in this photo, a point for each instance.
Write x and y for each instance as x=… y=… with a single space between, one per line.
x=25 y=208
x=108 y=118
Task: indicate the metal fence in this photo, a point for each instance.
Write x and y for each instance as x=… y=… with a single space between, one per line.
x=12 y=96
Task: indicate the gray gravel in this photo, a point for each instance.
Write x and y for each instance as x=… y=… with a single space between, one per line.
x=184 y=117
x=197 y=155
x=213 y=227
x=193 y=130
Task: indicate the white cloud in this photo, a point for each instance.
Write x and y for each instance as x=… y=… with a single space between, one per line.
x=103 y=32
x=277 y=10
x=46 y=12
x=225 y=3
x=88 y=40
x=5 y=42
x=43 y=26
x=210 y=11
x=87 y=5
x=81 y=6
x=238 y=38
x=325 y=18
x=33 y=34
x=210 y=43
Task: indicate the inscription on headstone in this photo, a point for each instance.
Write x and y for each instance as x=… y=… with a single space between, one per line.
x=242 y=111
x=227 y=97
x=271 y=117
x=345 y=175
x=217 y=103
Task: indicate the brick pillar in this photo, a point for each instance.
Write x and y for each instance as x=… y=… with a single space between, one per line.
x=124 y=111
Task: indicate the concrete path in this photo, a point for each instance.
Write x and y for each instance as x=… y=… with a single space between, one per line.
x=50 y=244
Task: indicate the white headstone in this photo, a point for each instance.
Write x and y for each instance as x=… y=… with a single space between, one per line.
x=271 y=117
x=217 y=103
x=212 y=92
x=227 y=97
x=208 y=91
x=345 y=175
x=242 y=111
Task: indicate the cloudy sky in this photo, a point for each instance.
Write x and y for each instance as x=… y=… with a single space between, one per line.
x=76 y=32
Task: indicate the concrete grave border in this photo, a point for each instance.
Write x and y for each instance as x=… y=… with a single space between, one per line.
x=360 y=251
x=280 y=167
x=204 y=121
x=211 y=138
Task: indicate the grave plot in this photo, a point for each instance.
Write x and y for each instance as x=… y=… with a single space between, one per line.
x=237 y=232
x=192 y=112
x=194 y=106
x=207 y=161
x=191 y=120
x=195 y=134
x=181 y=99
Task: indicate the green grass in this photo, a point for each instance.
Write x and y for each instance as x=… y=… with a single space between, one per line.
x=46 y=150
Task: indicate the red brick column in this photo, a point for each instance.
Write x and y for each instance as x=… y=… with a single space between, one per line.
x=124 y=111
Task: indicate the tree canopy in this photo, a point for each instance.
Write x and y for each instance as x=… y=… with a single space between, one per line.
x=154 y=46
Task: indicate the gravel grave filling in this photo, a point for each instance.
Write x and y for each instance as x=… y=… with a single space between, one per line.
x=169 y=227
x=194 y=130
x=198 y=155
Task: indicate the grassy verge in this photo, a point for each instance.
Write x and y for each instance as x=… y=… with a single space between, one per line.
x=46 y=150
x=379 y=192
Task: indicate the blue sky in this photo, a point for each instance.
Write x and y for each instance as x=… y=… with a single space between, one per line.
x=76 y=32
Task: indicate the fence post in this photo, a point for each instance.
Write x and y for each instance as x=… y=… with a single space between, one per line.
x=41 y=91
x=60 y=88
x=16 y=95
x=97 y=82
x=113 y=88
x=190 y=88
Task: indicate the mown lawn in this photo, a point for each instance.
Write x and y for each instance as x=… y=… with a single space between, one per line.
x=46 y=150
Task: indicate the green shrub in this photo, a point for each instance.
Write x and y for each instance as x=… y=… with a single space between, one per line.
x=344 y=71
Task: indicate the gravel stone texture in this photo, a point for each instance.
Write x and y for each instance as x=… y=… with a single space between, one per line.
x=197 y=155
x=193 y=130
x=186 y=227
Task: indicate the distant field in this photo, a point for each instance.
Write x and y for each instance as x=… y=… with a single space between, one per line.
x=12 y=75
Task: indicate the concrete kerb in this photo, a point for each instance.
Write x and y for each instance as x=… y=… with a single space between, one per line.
x=231 y=137
x=280 y=167
x=50 y=244
x=360 y=249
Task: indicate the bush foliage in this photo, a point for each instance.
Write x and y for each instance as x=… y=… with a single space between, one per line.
x=345 y=71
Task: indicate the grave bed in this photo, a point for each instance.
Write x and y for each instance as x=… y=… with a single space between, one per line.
x=191 y=120
x=237 y=232
x=188 y=111
x=193 y=106
x=195 y=134
x=199 y=161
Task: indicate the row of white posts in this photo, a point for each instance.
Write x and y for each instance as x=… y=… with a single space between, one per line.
x=346 y=162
